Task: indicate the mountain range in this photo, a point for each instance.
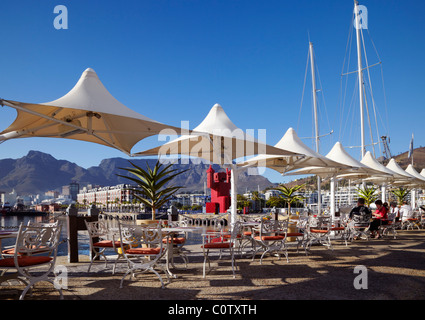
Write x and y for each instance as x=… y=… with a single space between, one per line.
x=38 y=172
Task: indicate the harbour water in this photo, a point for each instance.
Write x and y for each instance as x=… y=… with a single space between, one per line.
x=14 y=221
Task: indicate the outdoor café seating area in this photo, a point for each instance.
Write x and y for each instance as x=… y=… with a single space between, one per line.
x=134 y=251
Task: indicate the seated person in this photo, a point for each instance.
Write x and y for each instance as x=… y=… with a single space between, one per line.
x=406 y=211
x=361 y=214
x=380 y=218
x=394 y=212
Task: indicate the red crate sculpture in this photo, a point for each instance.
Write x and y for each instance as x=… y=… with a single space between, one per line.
x=219 y=183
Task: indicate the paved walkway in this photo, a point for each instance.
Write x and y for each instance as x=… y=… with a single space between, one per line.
x=395 y=271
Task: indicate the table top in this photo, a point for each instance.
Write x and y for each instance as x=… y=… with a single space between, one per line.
x=182 y=229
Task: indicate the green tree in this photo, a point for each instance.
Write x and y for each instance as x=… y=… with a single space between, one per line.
x=151 y=184
x=401 y=194
x=277 y=202
x=290 y=194
x=368 y=193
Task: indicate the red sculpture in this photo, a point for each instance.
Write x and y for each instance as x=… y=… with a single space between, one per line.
x=219 y=183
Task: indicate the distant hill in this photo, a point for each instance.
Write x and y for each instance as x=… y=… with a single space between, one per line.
x=38 y=172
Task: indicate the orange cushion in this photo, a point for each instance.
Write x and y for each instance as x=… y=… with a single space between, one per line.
x=11 y=251
x=144 y=251
x=106 y=244
x=270 y=238
x=24 y=261
x=247 y=233
x=228 y=236
x=412 y=219
x=217 y=245
x=175 y=240
x=318 y=231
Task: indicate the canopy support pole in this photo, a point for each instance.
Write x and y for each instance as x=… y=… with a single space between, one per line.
x=332 y=205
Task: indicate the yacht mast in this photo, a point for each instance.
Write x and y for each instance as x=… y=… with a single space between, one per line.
x=360 y=73
x=313 y=80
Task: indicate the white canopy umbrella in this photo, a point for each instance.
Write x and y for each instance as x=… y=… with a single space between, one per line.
x=339 y=155
x=423 y=172
x=419 y=182
x=218 y=140
x=386 y=175
x=420 y=179
x=291 y=142
x=407 y=177
x=88 y=112
x=368 y=160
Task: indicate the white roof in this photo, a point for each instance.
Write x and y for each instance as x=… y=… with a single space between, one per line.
x=88 y=112
x=339 y=155
x=216 y=139
x=290 y=141
x=423 y=172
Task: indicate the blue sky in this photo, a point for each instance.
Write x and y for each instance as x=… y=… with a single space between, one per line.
x=173 y=60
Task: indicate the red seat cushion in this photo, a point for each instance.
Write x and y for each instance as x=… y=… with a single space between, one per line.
x=11 y=251
x=144 y=251
x=338 y=229
x=24 y=261
x=217 y=245
x=318 y=231
x=228 y=236
x=175 y=240
x=270 y=238
x=106 y=244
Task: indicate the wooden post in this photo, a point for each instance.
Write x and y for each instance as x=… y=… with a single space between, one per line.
x=76 y=223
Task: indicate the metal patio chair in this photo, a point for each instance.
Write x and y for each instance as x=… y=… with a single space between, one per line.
x=221 y=241
x=271 y=238
x=34 y=256
x=102 y=239
x=142 y=248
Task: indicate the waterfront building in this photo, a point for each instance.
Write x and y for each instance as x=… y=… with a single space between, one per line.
x=111 y=196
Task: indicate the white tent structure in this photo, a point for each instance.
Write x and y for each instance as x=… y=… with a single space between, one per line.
x=291 y=142
x=339 y=155
x=368 y=160
x=419 y=182
x=422 y=173
x=218 y=140
x=420 y=179
x=407 y=177
x=88 y=112
x=384 y=177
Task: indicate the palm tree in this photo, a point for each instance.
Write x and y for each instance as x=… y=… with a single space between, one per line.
x=369 y=194
x=151 y=182
x=289 y=194
x=401 y=194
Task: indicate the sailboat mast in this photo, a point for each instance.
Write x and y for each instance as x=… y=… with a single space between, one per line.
x=360 y=73
x=316 y=121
